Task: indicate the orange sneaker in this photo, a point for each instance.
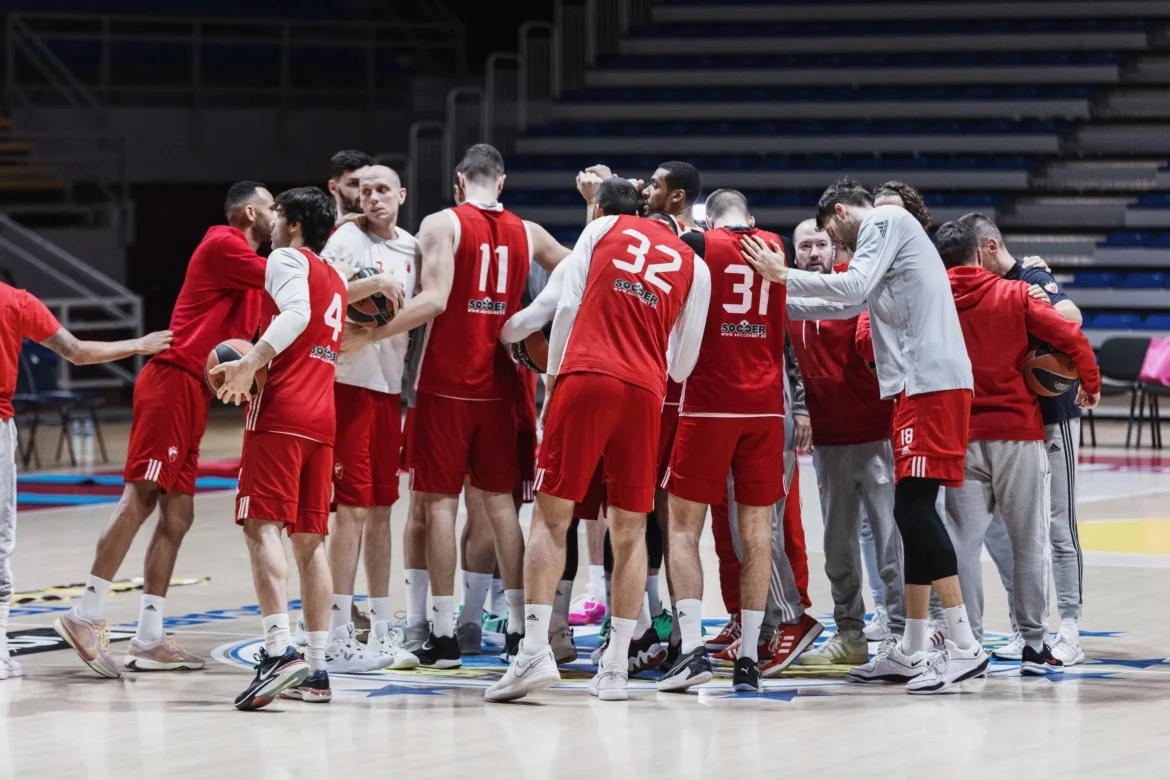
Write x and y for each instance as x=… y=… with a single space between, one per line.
x=788 y=643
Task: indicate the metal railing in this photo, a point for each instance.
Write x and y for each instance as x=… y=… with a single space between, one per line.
x=427 y=189
x=539 y=73
x=464 y=124
x=501 y=100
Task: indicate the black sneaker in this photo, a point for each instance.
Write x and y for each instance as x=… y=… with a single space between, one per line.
x=273 y=675
x=694 y=668
x=511 y=647
x=646 y=653
x=440 y=652
x=747 y=675
x=1039 y=664
x=673 y=653
x=314 y=689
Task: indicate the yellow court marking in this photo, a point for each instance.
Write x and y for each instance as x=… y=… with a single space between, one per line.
x=1149 y=537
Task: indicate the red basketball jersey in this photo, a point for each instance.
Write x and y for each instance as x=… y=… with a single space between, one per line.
x=462 y=355
x=640 y=274
x=298 y=397
x=741 y=363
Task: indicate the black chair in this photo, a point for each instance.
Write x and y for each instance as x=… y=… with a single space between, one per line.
x=41 y=396
x=1120 y=360
x=1154 y=391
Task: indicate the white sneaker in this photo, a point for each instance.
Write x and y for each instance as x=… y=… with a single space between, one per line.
x=949 y=667
x=564 y=650
x=528 y=672
x=389 y=647
x=1013 y=650
x=843 y=647
x=890 y=665
x=9 y=667
x=345 y=655
x=878 y=629
x=611 y=683
x=300 y=636
x=415 y=635
x=1067 y=649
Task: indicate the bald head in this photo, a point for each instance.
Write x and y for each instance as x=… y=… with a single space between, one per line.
x=814 y=248
x=381 y=197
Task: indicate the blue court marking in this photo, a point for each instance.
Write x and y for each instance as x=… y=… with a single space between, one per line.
x=58 y=499
x=112 y=480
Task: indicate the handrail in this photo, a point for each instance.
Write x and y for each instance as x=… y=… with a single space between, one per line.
x=452 y=135
x=490 y=96
x=75 y=264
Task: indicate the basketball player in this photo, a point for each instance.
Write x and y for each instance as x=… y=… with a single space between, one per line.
x=853 y=459
x=219 y=300
x=369 y=432
x=1007 y=467
x=922 y=361
x=286 y=469
x=633 y=286
x=345 y=184
x=23 y=316
x=479 y=253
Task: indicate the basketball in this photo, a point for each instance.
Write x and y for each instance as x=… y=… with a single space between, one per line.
x=226 y=352
x=371 y=312
x=532 y=352
x=1049 y=373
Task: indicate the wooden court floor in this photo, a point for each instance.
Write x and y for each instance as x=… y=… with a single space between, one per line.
x=1109 y=718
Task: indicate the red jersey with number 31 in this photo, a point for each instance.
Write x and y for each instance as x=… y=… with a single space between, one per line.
x=297 y=399
x=462 y=355
x=740 y=370
x=640 y=274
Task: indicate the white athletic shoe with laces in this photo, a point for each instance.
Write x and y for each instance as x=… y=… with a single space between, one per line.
x=528 y=672
x=878 y=629
x=9 y=667
x=948 y=667
x=611 y=683
x=890 y=665
x=1067 y=649
x=390 y=646
x=1012 y=651
x=345 y=655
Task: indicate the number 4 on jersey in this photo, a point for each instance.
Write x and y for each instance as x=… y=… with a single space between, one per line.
x=333 y=315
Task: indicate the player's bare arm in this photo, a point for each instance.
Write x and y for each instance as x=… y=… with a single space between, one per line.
x=767 y=260
x=84 y=353
x=436 y=237
x=546 y=250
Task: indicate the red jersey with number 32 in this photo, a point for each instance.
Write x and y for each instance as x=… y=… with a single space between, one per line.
x=740 y=369
x=640 y=274
x=462 y=355
x=298 y=397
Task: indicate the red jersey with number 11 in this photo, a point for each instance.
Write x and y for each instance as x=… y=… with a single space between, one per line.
x=462 y=355
x=297 y=399
x=741 y=363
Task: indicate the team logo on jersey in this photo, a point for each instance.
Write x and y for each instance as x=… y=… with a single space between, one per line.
x=637 y=290
x=323 y=353
x=337 y=471
x=1051 y=288
x=486 y=306
x=743 y=329
x=172 y=453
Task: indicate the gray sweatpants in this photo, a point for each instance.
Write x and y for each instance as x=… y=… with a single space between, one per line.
x=1013 y=477
x=7 y=506
x=869 y=557
x=852 y=477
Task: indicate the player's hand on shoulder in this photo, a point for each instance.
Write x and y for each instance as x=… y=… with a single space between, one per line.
x=357 y=219
x=1087 y=400
x=767 y=258
x=153 y=343
x=237 y=382
x=1037 y=292
x=1032 y=261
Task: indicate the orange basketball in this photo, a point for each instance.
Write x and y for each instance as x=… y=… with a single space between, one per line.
x=1049 y=373
x=371 y=312
x=226 y=352
x=532 y=352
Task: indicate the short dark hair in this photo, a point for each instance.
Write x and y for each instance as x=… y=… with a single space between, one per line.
x=347 y=160
x=722 y=201
x=481 y=162
x=844 y=191
x=313 y=210
x=239 y=194
x=911 y=201
x=956 y=243
x=982 y=226
x=683 y=176
x=617 y=196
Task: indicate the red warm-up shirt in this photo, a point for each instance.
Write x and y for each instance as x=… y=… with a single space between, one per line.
x=21 y=314
x=1001 y=322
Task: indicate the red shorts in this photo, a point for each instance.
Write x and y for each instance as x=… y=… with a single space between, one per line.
x=407 y=441
x=369 y=446
x=526 y=466
x=666 y=436
x=751 y=448
x=594 y=416
x=170 y=416
x=454 y=439
x=285 y=479
x=591 y=507
x=930 y=436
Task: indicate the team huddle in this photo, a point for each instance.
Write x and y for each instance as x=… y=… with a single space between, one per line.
x=682 y=368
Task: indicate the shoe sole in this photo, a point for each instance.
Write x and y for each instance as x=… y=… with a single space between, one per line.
x=63 y=631
x=291 y=675
x=612 y=695
x=804 y=661
x=136 y=664
x=804 y=644
x=1015 y=659
x=565 y=658
x=308 y=697
x=442 y=663
x=522 y=688
x=745 y=688
x=953 y=685
x=1031 y=669
x=677 y=684
x=883 y=679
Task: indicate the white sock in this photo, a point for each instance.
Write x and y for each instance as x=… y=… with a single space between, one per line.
x=443 y=615
x=654 y=600
x=619 y=642
x=689 y=623
x=960 y=626
x=643 y=624
x=537 y=618
x=597 y=579
x=475 y=590
x=150 y=619
x=515 y=599
x=93 y=598
x=418 y=582
x=340 y=615
x=499 y=600
x=276 y=637
x=315 y=652
x=1069 y=627
x=561 y=604
x=379 y=609
x=917 y=636
x=750 y=622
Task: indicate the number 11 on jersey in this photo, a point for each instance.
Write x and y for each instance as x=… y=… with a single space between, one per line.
x=485 y=260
